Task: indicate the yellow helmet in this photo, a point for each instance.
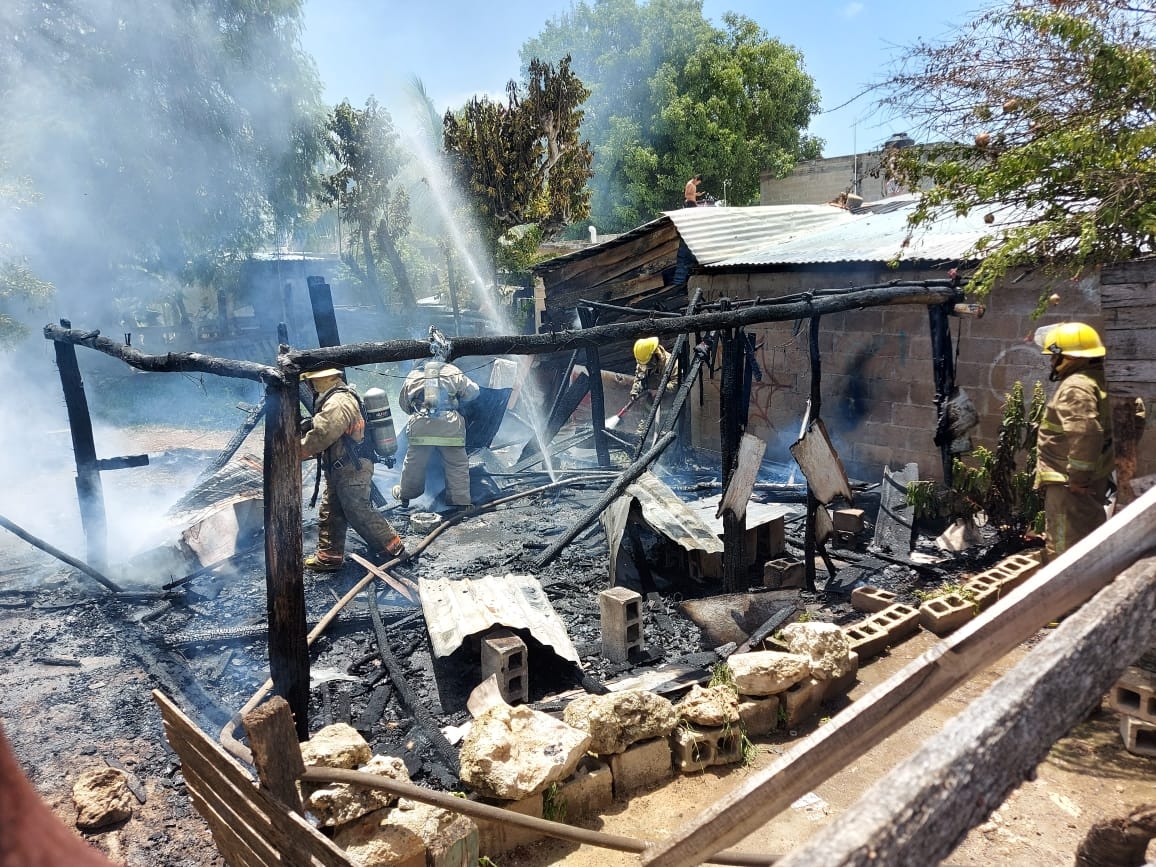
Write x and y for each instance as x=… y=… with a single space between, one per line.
x=1075 y=339
x=324 y=373
x=644 y=348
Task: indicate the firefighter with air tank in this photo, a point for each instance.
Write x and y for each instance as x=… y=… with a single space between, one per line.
x=1075 y=452
x=337 y=433
x=432 y=394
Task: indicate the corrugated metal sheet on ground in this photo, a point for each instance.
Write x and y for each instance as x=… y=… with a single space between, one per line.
x=869 y=235
x=455 y=609
x=717 y=234
x=667 y=514
x=757 y=513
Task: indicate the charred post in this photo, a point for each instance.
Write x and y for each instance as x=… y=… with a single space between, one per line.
x=589 y=318
x=943 y=367
x=284 y=562
x=810 y=545
x=731 y=425
x=324 y=317
x=89 y=490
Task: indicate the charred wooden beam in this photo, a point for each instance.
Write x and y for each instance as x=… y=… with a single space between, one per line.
x=284 y=562
x=732 y=421
x=95 y=574
x=597 y=395
x=89 y=491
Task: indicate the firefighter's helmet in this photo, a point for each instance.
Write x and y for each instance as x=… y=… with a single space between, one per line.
x=324 y=373
x=644 y=348
x=1075 y=339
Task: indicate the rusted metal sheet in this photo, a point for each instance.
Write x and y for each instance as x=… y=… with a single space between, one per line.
x=821 y=465
x=678 y=521
x=456 y=609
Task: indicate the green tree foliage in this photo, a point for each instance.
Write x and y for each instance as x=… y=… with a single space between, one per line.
x=521 y=161
x=671 y=95
x=165 y=137
x=994 y=484
x=367 y=156
x=1045 y=110
x=19 y=286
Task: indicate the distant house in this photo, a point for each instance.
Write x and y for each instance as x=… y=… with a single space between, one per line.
x=877 y=377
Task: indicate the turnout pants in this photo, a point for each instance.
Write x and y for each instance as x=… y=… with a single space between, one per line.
x=346 y=503
x=1070 y=517
x=457 y=469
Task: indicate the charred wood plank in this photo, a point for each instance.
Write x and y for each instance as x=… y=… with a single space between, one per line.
x=420 y=714
x=374 y=708
x=122 y=463
x=276 y=753
x=597 y=395
x=95 y=574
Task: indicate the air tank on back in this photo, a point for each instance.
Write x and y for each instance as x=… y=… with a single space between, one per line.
x=380 y=420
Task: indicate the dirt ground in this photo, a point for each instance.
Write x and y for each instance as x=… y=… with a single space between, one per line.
x=72 y=698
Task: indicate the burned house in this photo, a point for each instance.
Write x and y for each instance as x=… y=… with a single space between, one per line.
x=878 y=385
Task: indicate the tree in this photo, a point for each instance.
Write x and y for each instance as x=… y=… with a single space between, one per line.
x=367 y=154
x=18 y=284
x=1044 y=114
x=735 y=108
x=522 y=162
x=668 y=100
x=164 y=137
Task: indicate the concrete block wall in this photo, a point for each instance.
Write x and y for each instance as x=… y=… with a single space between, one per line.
x=878 y=393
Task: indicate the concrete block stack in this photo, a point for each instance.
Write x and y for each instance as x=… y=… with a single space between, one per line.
x=944 y=614
x=1133 y=697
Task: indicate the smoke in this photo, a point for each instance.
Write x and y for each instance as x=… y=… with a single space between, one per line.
x=146 y=138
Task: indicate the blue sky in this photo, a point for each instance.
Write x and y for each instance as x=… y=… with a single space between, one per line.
x=459 y=48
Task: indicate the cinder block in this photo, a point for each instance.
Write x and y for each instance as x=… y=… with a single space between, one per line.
x=849 y=521
x=759 y=715
x=872 y=635
x=504 y=655
x=944 y=614
x=985 y=588
x=496 y=838
x=802 y=701
x=696 y=749
x=783 y=573
x=456 y=845
x=1022 y=567
x=1139 y=736
x=644 y=764
x=621 y=612
x=588 y=791
x=867 y=638
x=1134 y=694
x=871 y=599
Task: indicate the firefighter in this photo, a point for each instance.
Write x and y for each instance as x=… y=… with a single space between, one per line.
x=1075 y=452
x=431 y=394
x=337 y=434
x=652 y=359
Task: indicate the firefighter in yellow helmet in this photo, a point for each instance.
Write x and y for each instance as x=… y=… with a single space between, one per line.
x=337 y=433
x=651 y=361
x=1075 y=452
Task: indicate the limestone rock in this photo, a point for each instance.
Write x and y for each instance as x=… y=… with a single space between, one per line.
x=374 y=840
x=826 y=645
x=617 y=720
x=767 y=672
x=515 y=752
x=102 y=798
x=709 y=706
x=338 y=803
x=336 y=746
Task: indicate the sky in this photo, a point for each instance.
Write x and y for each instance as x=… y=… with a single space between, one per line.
x=459 y=48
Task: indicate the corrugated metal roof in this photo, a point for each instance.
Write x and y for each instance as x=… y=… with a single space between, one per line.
x=717 y=234
x=458 y=608
x=873 y=233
